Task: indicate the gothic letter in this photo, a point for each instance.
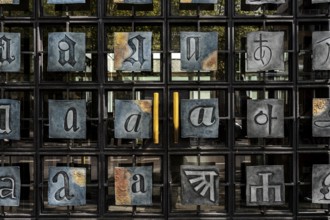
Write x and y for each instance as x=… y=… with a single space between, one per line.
x=65 y=187
x=138 y=185
x=140 y=57
x=133 y=123
x=5 y=119
x=202 y=115
x=5 y=50
x=71 y=116
x=66 y=44
x=192 y=47
x=11 y=190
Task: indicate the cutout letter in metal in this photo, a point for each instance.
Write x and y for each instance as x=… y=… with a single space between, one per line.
x=133 y=51
x=260 y=2
x=133 y=119
x=10 y=52
x=265 y=185
x=321 y=117
x=199 y=51
x=67 y=186
x=10 y=186
x=199 y=185
x=321 y=50
x=9 y=119
x=199 y=118
x=133 y=185
x=133 y=1
x=265 y=51
x=65 y=1
x=66 y=52
x=67 y=119
x=265 y=118
x=321 y=184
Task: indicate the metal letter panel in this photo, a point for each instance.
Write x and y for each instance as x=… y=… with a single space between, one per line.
x=199 y=51
x=265 y=118
x=199 y=185
x=10 y=119
x=10 y=52
x=199 y=1
x=67 y=119
x=65 y=1
x=321 y=50
x=321 y=117
x=10 y=186
x=133 y=119
x=66 y=52
x=265 y=185
x=133 y=51
x=67 y=186
x=133 y=185
x=133 y=1
x=265 y=51
x=260 y=2
x=199 y=118
x=321 y=184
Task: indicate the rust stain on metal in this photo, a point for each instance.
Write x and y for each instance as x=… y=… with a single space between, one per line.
x=121 y=185
x=185 y=1
x=211 y=61
x=121 y=49
x=6 y=1
x=118 y=1
x=79 y=178
x=144 y=105
x=319 y=106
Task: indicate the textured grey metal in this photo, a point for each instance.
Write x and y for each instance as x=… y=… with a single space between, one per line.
x=133 y=51
x=321 y=184
x=199 y=51
x=265 y=118
x=260 y=2
x=67 y=186
x=10 y=52
x=10 y=186
x=265 y=185
x=320 y=1
x=199 y=118
x=10 y=119
x=133 y=1
x=199 y=1
x=265 y=51
x=133 y=119
x=199 y=185
x=65 y=1
x=321 y=50
x=67 y=119
x=321 y=117
x=66 y=52
x=133 y=185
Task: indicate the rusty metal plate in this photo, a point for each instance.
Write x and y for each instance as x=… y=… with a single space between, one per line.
x=321 y=50
x=199 y=51
x=199 y=118
x=67 y=119
x=260 y=2
x=265 y=51
x=321 y=184
x=133 y=119
x=133 y=185
x=65 y=1
x=321 y=117
x=199 y=185
x=132 y=51
x=10 y=119
x=10 y=52
x=66 y=52
x=199 y=1
x=133 y=1
x=265 y=118
x=10 y=186
x=67 y=186
x=265 y=185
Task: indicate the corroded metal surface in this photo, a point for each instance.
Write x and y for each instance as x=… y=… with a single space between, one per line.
x=10 y=119
x=321 y=184
x=10 y=186
x=321 y=117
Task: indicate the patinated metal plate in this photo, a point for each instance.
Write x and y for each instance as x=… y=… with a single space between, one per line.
x=10 y=52
x=67 y=186
x=321 y=50
x=9 y=2
x=265 y=51
x=133 y=51
x=265 y=185
x=133 y=119
x=199 y=1
x=10 y=119
x=65 y=1
x=199 y=51
x=320 y=1
x=133 y=1
x=321 y=117
x=66 y=52
x=260 y=2
x=321 y=184
x=199 y=185
x=199 y=118
x=133 y=185
x=10 y=186
x=265 y=118
x=67 y=119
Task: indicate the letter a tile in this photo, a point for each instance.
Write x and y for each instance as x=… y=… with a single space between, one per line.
x=10 y=52
x=321 y=184
x=10 y=186
x=10 y=119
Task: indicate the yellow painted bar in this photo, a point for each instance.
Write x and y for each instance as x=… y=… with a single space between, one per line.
x=156 y=118
x=176 y=122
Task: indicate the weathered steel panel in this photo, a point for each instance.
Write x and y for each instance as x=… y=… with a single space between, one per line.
x=67 y=186
x=65 y=1
x=265 y=118
x=199 y=185
x=10 y=186
x=260 y=2
x=10 y=119
x=321 y=184
x=199 y=51
x=265 y=51
x=199 y=118
x=321 y=50
x=67 y=119
x=10 y=52
x=133 y=185
x=133 y=119
x=66 y=52
x=265 y=185
x=321 y=117
x=133 y=51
